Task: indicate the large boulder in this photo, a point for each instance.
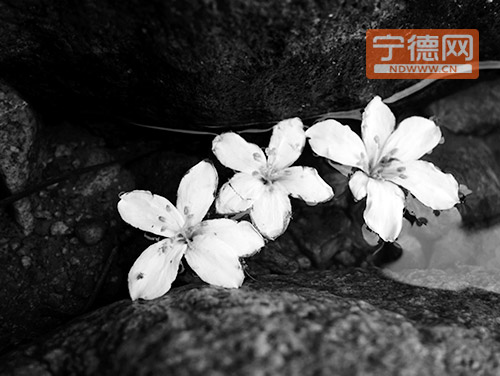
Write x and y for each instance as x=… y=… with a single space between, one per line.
x=191 y=64
x=318 y=323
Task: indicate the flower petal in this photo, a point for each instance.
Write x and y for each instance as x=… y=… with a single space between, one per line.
x=238 y=194
x=306 y=184
x=414 y=137
x=215 y=262
x=196 y=192
x=339 y=143
x=428 y=184
x=384 y=208
x=271 y=212
x=344 y=170
x=151 y=213
x=237 y=154
x=241 y=237
x=153 y=272
x=357 y=184
x=286 y=144
x=377 y=125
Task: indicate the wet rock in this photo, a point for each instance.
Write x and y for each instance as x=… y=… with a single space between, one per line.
x=162 y=172
x=190 y=63
x=18 y=130
x=327 y=236
x=90 y=231
x=472 y=163
x=457 y=278
x=348 y=322
x=471 y=111
x=274 y=256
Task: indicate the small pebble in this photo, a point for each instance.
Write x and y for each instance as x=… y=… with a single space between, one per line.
x=15 y=244
x=59 y=228
x=26 y=261
x=42 y=214
x=62 y=151
x=90 y=231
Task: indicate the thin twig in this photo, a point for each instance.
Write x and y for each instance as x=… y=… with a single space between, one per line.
x=100 y=282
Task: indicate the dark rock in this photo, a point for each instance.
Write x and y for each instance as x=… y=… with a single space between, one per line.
x=18 y=130
x=162 y=172
x=103 y=179
x=327 y=236
x=493 y=141
x=49 y=275
x=274 y=256
x=344 y=323
x=188 y=63
x=90 y=231
x=472 y=111
x=23 y=215
x=472 y=163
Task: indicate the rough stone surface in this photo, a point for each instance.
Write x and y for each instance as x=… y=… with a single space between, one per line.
x=190 y=63
x=18 y=129
x=187 y=64
x=52 y=275
x=474 y=110
x=353 y=322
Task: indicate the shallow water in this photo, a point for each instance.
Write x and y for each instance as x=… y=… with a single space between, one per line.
x=458 y=248
x=445 y=254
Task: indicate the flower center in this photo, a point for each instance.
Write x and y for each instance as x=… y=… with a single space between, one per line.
x=377 y=173
x=385 y=169
x=185 y=235
x=267 y=174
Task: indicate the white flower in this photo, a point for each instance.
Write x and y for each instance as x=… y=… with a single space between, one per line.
x=264 y=184
x=211 y=247
x=387 y=159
